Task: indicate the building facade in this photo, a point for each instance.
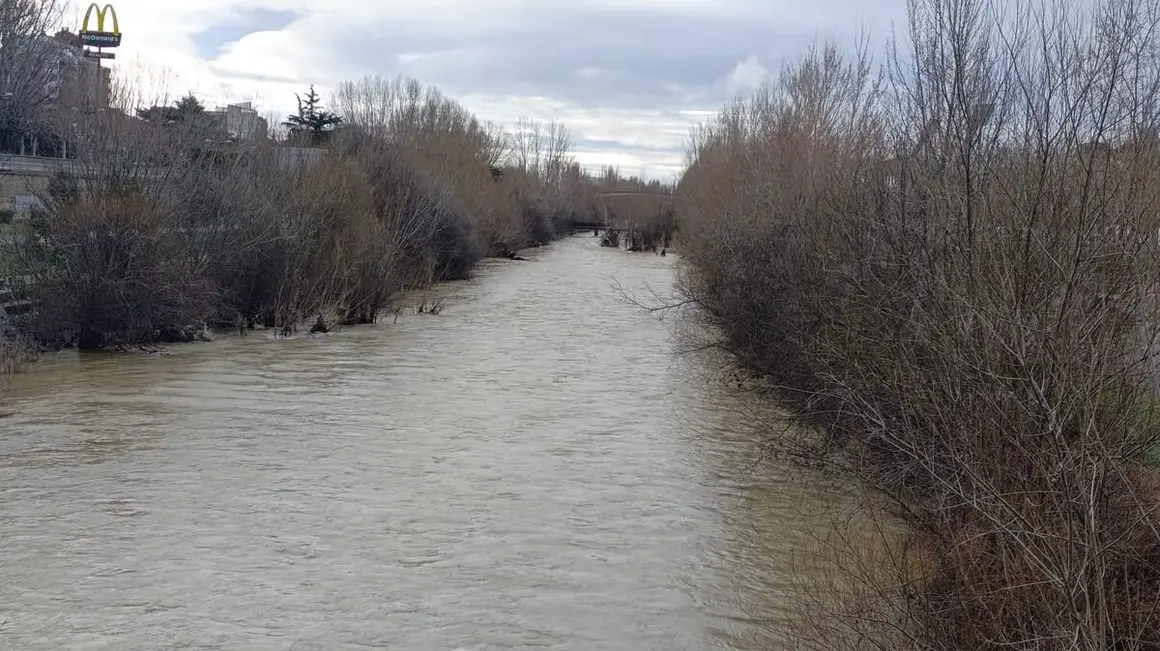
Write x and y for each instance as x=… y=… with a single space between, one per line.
x=76 y=81
x=240 y=122
x=48 y=83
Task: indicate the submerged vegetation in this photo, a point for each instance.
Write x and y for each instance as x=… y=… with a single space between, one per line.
x=949 y=269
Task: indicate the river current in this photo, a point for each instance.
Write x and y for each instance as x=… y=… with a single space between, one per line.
x=536 y=466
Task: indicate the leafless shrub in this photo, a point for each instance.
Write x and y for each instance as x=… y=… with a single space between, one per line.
x=431 y=305
x=515 y=188
x=952 y=273
x=15 y=351
x=124 y=280
x=230 y=235
x=160 y=225
x=450 y=152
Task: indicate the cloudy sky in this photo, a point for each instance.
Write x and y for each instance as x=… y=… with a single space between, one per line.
x=627 y=76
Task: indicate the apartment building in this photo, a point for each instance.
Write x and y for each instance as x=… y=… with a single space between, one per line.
x=43 y=79
x=240 y=121
x=75 y=80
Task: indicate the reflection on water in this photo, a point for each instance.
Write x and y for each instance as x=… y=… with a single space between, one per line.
x=531 y=468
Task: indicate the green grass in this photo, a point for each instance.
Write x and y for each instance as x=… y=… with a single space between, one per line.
x=1152 y=458
x=16 y=228
x=1143 y=421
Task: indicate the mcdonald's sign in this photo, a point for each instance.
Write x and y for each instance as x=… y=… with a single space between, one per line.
x=100 y=37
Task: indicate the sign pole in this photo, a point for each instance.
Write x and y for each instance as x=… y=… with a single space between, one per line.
x=100 y=38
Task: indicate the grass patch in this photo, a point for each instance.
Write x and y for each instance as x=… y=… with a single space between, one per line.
x=15 y=228
x=1152 y=457
x=1140 y=415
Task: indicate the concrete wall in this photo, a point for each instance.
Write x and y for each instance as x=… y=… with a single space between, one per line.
x=14 y=186
x=21 y=177
x=294 y=158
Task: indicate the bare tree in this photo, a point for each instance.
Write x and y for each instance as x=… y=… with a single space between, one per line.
x=31 y=64
x=558 y=147
x=527 y=146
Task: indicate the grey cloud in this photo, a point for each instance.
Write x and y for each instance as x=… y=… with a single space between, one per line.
x=656 y=159
x=602 y=145
x=267 y=78
x=640 y=59
x=628 y=81
x=211 y=41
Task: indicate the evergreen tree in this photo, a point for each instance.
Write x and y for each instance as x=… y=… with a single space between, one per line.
x=312 y=123
x=187 y=109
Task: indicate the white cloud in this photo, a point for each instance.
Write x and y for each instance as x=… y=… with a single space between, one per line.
x=263 y=54
x=633 y=75
x=746 y=75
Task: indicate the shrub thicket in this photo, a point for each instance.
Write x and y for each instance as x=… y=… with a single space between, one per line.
x=949 y=268
x=163 y=226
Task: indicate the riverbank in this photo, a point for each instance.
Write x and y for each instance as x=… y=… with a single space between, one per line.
x=14 y=353
x=163 y=227
x=956 y=289
x=17 y=349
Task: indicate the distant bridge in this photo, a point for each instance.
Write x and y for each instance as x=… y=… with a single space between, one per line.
x=577 y=227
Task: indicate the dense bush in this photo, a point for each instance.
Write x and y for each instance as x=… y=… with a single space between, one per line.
x=951 y=271
x=118 y=274
x=158 y=259
x=161 y=231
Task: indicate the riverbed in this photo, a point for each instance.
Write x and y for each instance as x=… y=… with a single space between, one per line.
x=536 y=466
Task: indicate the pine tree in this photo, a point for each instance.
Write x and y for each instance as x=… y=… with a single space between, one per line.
x=312 y=122
x=187 y=109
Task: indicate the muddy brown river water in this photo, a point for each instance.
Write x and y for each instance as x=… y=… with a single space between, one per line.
x=534 y=467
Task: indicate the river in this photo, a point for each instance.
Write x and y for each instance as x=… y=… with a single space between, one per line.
x=533 y=467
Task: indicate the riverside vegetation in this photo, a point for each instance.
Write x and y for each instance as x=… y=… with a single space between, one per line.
x=164 y=231
x=948 y=268
x=165 y=226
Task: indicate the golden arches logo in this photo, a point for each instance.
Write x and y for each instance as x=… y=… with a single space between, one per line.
x=99 y=37
x=108 y=11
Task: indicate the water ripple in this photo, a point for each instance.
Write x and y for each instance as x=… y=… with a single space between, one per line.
x=518 y=472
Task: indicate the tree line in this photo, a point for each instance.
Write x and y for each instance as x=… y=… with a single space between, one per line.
x=161 y=227
x=157 y=233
